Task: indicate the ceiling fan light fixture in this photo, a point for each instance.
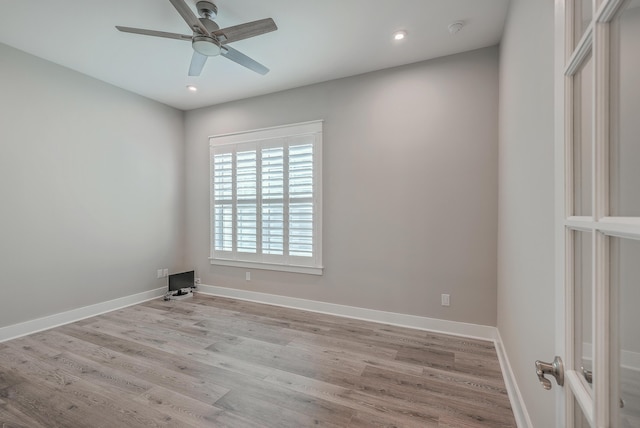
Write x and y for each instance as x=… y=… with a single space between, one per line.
x=205 y=45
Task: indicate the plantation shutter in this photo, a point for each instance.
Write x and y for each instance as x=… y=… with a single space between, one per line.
x=266 y=198
x=273 y=196
x=301 y=199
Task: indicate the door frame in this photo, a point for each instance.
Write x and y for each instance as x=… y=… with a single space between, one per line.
x=560 y=192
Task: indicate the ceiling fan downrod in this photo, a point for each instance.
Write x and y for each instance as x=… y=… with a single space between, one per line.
x=207 y=10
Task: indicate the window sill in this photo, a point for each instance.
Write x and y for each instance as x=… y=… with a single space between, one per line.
x=268 y=266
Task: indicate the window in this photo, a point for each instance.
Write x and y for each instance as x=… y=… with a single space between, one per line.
x=266 y=198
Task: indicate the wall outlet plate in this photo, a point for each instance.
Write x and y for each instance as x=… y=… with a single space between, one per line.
x=159 y=273
x=446 y=299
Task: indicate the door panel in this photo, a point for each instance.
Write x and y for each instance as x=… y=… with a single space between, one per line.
x=579 y=419
x=582 y=137
x=583 y=300
x=624 y=151
x=583 y=13
x=625 y=349
x=598 y=233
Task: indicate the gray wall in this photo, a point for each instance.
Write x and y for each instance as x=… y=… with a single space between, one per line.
x=526 y=209
x=410 y=187
x=91 y=181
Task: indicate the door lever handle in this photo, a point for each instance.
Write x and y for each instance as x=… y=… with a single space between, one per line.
x=555 y=369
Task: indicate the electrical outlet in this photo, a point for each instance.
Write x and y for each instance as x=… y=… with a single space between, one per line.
x=248 y=276
x=159 y=273
x=446 y=300
x=165 y=272
x=197 y=280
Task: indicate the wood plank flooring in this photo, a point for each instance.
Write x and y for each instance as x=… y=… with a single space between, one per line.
x=217 y=362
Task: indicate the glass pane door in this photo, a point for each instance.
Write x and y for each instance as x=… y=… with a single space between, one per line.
x=624 y=202
x=625 y=334
x=601 y=144
x=624 y=150
x=583 y=13
x=583 y=306
x=582 y=137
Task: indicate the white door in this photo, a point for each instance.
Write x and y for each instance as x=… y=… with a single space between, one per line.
x=598 y=211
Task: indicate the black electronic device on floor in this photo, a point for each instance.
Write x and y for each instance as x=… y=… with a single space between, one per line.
x=181 y=285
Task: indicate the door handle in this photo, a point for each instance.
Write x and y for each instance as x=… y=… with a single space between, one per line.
x=555 y=369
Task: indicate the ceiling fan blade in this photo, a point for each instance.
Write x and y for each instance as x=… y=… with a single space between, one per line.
x=246 y=30
x=189 y=17
x=154 y=33
x=242 y=59
x=197 y=63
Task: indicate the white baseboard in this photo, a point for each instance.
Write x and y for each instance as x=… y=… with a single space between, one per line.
x=515 y=397
x=45 y=323
x=455 y=328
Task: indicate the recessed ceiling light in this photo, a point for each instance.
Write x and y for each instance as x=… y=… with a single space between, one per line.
x=454 y=27
x=192 y=88
x=399 y=35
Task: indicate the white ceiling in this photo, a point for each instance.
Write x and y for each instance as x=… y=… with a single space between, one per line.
x=316 y=41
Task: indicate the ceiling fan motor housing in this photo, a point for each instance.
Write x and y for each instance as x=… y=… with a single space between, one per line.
x=203 y=44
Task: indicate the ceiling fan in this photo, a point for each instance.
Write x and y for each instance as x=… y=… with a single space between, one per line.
x=209 y=39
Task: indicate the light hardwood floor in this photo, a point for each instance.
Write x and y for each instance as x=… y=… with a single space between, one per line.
x=217 y=362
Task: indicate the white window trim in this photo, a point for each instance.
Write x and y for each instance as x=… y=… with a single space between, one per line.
x=267 y=266
x=304 y=128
